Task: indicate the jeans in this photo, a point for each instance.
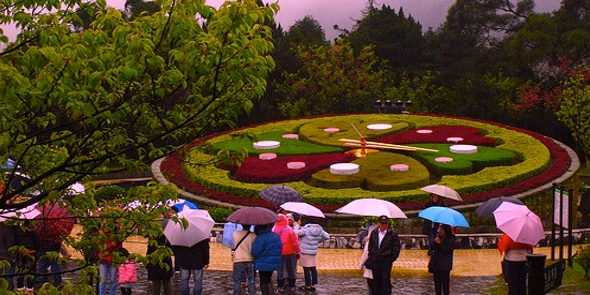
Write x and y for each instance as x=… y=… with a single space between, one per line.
x=287 y=271
x=108 y=273
x=244 y=271
x=44 y=264
x=311 y=276
x=185 y=277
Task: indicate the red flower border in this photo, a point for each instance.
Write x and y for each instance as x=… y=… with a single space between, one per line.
x=171 y=167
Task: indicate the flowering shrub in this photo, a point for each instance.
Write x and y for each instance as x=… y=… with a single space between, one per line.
x=255 y=170
x=559 y=164
x=470 y=135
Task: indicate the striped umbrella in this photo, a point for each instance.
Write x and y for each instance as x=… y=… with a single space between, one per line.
x=280 y=194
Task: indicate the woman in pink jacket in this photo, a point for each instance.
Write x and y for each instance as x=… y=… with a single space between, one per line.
x=289 y=255
x=127 y=274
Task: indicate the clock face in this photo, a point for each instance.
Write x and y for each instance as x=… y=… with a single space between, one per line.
x=333 y=160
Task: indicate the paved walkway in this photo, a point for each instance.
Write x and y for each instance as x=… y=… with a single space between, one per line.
x=482 y=262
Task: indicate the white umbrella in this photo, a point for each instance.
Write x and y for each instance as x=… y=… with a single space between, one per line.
x=199 y=228
x=75 y=189
x=519 y=223
x=443 y=191
x=303 y=209
x=28 y=212
x=372 y=207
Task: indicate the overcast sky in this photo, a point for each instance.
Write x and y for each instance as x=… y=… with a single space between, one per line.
x=430 y=13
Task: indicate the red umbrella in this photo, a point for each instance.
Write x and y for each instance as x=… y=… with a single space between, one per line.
x=54 y=224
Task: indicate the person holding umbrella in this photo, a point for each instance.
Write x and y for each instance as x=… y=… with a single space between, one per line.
x=430 y=228
x=384 y=249
x=289 y=255
x=243 y=260
x=441 y=259
x=266 y=251
x=514 y=264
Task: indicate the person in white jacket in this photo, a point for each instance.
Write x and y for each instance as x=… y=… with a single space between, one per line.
x=310 y=236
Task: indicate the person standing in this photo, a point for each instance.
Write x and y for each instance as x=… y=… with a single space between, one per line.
x=192 y=261
x=108 y=272
x=160 y=276
x=514 y=264
x=442 y=248
x=310 y=236
x=25 y=238
x=243 y=260
x=127 y=273
x=384 y=249
x=44 y=263
x=430 y=228
x=266 y=250
x=289 y=255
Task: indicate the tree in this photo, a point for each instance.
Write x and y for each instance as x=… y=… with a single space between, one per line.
x=395 y=37
x=574 y=110
x=134 y=8
x=333 y=79
x=116 y=96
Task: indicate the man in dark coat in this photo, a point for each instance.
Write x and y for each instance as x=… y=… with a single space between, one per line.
x=159 y=275
x=192 y=261
x=384 y=249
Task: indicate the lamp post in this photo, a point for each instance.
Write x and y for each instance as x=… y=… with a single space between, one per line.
x=388 y=106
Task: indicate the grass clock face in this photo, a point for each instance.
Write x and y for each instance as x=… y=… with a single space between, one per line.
x=333 y=160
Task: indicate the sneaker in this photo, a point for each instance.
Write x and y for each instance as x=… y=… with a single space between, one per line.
x=293 y=289
x=303 y=287
x=279 y=292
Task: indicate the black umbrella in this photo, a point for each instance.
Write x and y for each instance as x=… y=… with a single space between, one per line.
x=253 y=216
x=487 y=209
x=280 y=194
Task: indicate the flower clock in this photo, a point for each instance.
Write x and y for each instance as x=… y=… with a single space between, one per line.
x=335 y=159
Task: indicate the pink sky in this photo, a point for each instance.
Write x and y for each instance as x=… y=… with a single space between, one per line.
x=430 y=13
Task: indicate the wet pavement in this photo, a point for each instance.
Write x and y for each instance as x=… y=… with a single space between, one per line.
x=473 y=271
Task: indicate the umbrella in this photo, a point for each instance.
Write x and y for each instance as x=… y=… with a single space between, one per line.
x=519 y=223
x=303 y=209
x=54 y=224
x=199 y=228
x=442 y=191
x=28 y=212
x=253 y=216
x=75 y=189
x=280 y=194
x=181 y=203
x=372 y=207
x=444 y=215
x=487 y=209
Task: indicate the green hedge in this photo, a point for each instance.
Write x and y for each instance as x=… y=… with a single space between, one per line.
x=533 y=155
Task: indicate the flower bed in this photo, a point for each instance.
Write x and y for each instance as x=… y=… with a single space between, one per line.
x=560 y=162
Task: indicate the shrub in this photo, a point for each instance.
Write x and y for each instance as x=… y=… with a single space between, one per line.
x=583 y=258
x=109 y=193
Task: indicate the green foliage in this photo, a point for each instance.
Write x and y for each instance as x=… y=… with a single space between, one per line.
x=583 y=258
x=118 y=92
x=534 y=158
x=574 y=110
x=396 y=38
x=219 y=214
x=375 y=175
x=109 y=192
x=288 y=146
x=314 y=131
x=333 y=79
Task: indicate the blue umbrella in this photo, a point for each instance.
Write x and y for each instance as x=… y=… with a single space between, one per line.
x=444 y=215
x=181 y=203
